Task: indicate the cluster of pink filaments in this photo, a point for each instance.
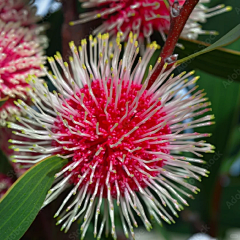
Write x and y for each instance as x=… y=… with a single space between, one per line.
x=111 y=146
x=20 y=56
x=21 y=51
x=145 y=16
x=18 y=11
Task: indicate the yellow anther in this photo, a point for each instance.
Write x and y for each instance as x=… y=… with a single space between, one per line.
x=183 y=73
x=71 y=44
x=196 y=79
x=59 y=54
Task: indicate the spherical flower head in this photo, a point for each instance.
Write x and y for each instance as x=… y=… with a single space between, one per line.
x=21 y=50
x=143 y=17
x=5 y=184
x=18 y=11
x=122 y=140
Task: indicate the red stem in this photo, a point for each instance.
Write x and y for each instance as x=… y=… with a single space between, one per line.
x=176 y=26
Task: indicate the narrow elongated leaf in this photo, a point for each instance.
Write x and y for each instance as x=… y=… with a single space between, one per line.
x=224 y=63
x=22 y=202
x=3 y=100
x=230 y=37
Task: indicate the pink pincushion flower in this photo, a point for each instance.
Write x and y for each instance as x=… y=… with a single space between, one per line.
x=145 y=16
x=21 y=55
x=18 y=11
x=104 y=140
x=21 y=50
x=122 y=140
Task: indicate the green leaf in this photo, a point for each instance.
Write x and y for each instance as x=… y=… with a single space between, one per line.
x=3 y=100
x=230 y=37
x=224 y=63
x=22 y=202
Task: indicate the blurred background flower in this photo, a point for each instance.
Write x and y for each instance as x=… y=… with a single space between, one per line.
x=22 y=45
x=143 y=17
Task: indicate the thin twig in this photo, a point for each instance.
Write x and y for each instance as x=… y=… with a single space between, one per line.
x=177 y=23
